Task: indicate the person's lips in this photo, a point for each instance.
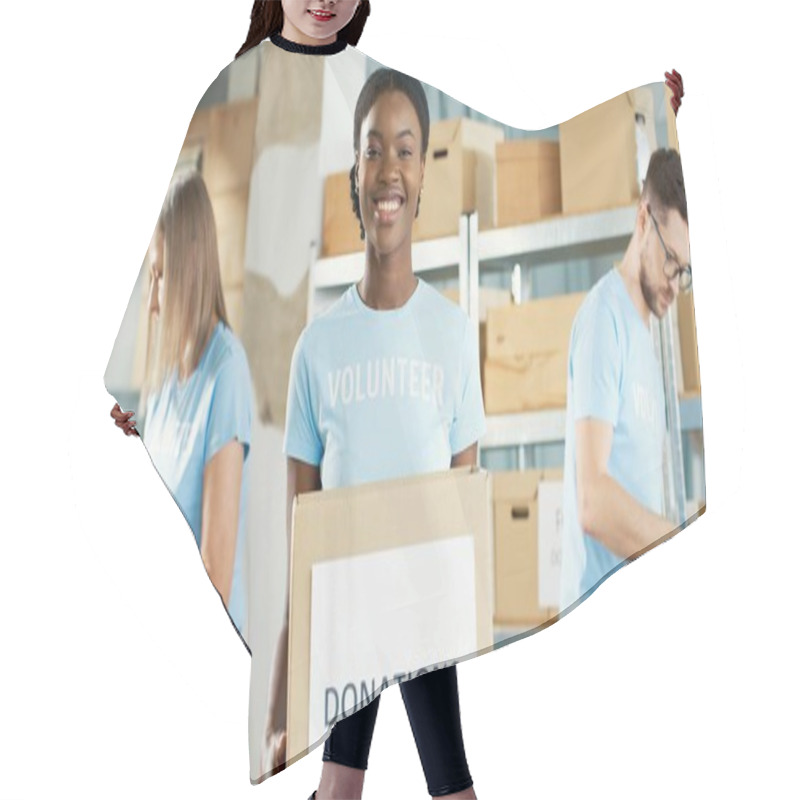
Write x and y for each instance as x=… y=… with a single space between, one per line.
x=320 y=15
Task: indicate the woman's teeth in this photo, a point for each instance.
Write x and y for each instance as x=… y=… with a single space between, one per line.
x=388 y=206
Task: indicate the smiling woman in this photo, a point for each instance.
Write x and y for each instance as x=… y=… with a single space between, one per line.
x=432 y=422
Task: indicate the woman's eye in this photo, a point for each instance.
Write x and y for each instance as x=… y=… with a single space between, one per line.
x=371 y=152
x=406 y=153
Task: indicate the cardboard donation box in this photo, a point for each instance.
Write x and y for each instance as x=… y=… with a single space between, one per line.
x=605 y=152
x=387 y=579
x=459 y=177
x=528 y=181
x=340 y=229
x=687 y=336
x=527 y=546
x=527 y=348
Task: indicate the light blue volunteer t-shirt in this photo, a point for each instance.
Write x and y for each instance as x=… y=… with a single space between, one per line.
x=614 y=376
x=188 y=422
x=377 y=395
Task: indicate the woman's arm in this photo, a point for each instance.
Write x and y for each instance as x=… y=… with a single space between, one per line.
x=300 y=478
x=222 y=484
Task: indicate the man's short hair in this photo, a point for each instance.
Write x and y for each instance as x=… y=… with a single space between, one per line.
x=663 y=185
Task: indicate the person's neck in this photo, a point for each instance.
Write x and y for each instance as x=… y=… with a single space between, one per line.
x=629 y=270
x=293 y=34
x=388 y=281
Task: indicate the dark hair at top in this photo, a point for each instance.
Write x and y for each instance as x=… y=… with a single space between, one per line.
x=266 y=19
x=663 y=185
x=380 y=82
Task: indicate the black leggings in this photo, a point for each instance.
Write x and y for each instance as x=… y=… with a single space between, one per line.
x=431 y=702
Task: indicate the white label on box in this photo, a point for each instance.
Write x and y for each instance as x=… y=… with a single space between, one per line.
x=383 y=615
x=551 y=520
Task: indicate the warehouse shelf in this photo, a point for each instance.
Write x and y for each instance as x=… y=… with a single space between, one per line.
x=541 y=427
x=433 y=255
x=527 y=427
x=560 y=238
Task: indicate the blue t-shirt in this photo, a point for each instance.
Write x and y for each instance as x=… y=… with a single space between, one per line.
x=188 y=422
x=377 y=395
x=614 y=376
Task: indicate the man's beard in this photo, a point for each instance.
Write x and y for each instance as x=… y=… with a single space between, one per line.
x=649 y=293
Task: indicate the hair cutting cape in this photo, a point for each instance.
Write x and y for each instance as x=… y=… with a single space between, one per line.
x=520 y=327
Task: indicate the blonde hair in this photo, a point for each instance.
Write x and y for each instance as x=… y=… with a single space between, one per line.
x=192 y=283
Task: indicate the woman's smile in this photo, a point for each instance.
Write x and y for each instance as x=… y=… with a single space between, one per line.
x=388 y=207
x=321 y=16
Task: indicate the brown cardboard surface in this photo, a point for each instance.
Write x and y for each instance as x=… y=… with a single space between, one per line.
x=341 y=232
x=488 y=297
x=672 y=126
x=459 y=177
x=377 y=517
x=271 y=326
x=516 y=553
x=230 y=215
x=282 y=118
x=228 y=153
x=598 y=153
x=528 y=181
x=687 y=335
x=527 y=348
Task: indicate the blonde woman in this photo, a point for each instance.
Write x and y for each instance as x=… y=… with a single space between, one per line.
x=197 y=393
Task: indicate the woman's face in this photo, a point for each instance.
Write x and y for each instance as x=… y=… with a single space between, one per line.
x=389 y=171
x=315 y=22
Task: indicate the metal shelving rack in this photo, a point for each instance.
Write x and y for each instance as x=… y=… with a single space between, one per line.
x=471 y=253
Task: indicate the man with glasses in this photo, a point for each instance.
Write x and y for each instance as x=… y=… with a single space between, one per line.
x=616 y=433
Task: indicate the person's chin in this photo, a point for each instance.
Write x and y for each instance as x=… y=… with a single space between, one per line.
x=387 y=239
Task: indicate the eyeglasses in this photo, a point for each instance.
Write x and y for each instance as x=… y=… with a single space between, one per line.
x=672 y=266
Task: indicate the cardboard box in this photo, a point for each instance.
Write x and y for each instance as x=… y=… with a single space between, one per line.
x=672 y=127
x=605 y=152
x=341 y=232
x=378 y=519
x=488 y=297
x=527 y=348
x=687 y=336
x=459 y=177
x=528 y=181
x=516 y=547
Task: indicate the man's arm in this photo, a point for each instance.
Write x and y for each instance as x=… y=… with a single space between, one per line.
x=466 y=458
x=605 y=510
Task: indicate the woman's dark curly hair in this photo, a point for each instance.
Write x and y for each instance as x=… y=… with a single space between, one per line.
x=381 y=82
x=266 y=19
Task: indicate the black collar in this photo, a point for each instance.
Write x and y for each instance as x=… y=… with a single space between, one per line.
x=309 y=50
